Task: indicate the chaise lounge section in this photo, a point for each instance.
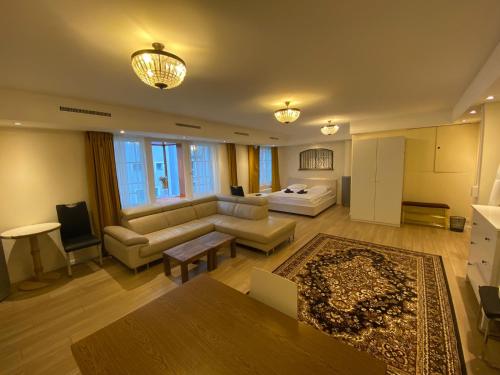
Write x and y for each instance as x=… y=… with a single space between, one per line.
x=149 y=230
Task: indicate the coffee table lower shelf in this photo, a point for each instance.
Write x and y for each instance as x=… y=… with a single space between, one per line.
x=190 y=251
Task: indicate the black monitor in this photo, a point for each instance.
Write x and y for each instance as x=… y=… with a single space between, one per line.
x=237 y=190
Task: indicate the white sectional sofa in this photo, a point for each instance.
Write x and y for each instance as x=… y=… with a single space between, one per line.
x=147 y=231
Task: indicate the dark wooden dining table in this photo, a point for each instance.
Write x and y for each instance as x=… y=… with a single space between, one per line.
x=206 y=327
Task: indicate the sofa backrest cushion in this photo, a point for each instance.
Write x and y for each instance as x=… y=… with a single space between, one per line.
x=180 y=216
x=147 y=224
x=251 y=212
x=205 y=209
x=140 y=211
x=255 y=201
x=225 y=208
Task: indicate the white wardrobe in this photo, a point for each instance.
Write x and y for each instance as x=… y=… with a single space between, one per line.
x=377 y=180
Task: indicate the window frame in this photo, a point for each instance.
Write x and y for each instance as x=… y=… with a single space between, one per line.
x=151 y=174
x=212 y=163
x=119 y=171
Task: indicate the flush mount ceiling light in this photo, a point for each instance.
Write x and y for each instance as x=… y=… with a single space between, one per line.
x=158 y=68
x=330 y=129
x=491 y=97
x=287 y=115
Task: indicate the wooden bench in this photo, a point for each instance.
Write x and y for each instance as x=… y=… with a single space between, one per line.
x=427 y=213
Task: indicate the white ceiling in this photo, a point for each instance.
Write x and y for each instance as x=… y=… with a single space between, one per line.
x=342 y=60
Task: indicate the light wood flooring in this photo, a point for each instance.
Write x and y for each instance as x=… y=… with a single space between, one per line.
x=37 y=328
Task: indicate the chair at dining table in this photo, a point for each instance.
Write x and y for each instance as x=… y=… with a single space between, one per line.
x=274 y=291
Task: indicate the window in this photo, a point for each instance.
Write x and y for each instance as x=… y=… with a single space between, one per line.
x=203 y=169
x=265 y=168
x=131 y=171
x=165 y=170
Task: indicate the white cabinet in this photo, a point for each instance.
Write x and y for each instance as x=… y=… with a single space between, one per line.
x=483 y=266
x=377 y=180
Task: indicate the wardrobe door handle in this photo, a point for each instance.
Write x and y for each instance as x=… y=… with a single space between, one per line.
x=474 y=223
x=484 y=262
x=487 y=239
x=472 y=243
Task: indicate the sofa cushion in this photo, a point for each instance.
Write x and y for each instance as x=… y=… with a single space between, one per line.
x=263 y=230
x=148 y=223
x=248 y=211
x=225 y=208
x=205 y=209
x=180 y=216
x=166 y=238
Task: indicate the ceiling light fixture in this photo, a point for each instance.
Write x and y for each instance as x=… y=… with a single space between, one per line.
x=122 y=131
x=491 y=97
x=287 y=115
x=158 y=68
x=330 y=129
x=17 y=123
x=473 y=112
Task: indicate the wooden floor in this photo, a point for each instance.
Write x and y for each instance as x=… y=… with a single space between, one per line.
x=37 y=328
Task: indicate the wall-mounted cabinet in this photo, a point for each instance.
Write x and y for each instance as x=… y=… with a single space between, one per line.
x=454 y=146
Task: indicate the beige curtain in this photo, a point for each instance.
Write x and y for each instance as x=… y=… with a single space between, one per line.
x=253 y=169
x=275 y=184
x=104 y=197
x=231 y=161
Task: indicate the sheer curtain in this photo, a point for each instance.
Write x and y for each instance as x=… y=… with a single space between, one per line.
x=265 y=168
x=131 y=171
x=204 y=169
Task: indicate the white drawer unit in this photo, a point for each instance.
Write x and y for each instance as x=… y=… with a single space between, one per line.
x=483 y=267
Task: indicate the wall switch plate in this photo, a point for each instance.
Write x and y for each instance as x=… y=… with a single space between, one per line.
x=474 y=191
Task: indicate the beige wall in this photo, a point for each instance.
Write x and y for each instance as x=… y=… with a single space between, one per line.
x=445 y=175
x=490 y=159
x=289 y=163
x=40 y=168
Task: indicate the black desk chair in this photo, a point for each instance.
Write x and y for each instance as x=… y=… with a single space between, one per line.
x=490 y=305
x=76 y=233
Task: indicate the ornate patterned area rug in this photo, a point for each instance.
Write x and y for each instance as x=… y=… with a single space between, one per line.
x=390 y=302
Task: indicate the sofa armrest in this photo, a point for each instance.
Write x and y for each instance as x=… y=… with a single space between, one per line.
x=125 y=236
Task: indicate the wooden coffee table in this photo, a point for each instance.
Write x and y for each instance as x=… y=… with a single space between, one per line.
x=193 y=250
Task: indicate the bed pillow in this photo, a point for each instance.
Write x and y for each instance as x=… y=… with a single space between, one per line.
x=297 y=187
x=319 y=189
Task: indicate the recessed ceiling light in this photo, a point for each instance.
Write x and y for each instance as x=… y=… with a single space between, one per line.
x=17 y=123
x=122 y=131
x=464 y=120
x=473 y=112
x=491 y=97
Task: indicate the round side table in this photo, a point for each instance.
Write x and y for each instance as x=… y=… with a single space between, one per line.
x=32 y=232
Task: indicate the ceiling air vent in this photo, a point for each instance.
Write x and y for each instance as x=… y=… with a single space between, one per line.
x=187 y=125
x=274 y=138
x=84 y=111
x=240 y=133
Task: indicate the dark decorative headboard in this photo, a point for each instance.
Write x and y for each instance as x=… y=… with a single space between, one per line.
x=316 y=159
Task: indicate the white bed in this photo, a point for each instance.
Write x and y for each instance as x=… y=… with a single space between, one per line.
x=310 y=204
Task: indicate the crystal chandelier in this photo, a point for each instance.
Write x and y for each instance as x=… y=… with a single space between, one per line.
x=158 y=68
x=330 y=129
x=287 y=115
